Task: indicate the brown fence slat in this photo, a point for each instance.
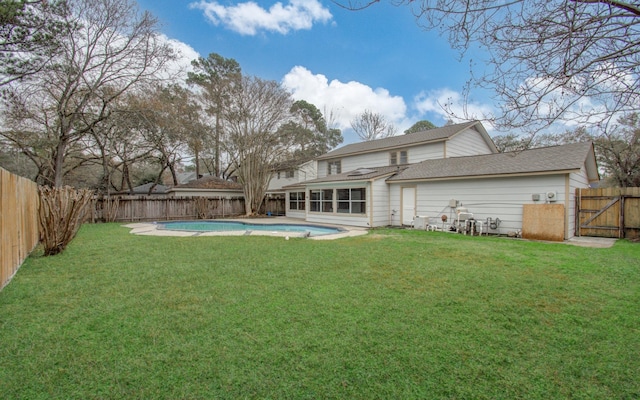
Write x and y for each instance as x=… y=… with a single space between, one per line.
x=149 y=208
x=19 y=228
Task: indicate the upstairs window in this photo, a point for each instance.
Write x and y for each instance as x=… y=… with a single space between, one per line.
x=398 y=157
x=334 y=167
x=286 y=174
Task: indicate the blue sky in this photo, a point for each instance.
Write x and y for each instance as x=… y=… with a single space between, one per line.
x=342 y=61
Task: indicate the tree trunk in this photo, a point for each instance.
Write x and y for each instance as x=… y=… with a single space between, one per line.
x=58 y=164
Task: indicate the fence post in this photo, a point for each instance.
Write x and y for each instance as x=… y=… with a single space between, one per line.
x=621 y=224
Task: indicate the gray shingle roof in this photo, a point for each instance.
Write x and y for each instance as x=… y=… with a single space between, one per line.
x=431 y=135
x=144 y=189
x=541 y=160
x=211 y=182
x=363 y=175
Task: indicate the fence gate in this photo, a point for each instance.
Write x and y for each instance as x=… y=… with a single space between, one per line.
x=608 y=212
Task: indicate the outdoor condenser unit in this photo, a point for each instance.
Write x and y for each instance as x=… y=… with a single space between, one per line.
x=420 y=222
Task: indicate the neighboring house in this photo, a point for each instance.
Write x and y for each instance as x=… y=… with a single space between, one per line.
x=391 y=181
x=208 y=186
x=156 y=190
x=287 y=175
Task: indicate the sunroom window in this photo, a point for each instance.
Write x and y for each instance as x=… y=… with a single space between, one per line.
x=352 y=201
x=296 y=201
x=347 y=201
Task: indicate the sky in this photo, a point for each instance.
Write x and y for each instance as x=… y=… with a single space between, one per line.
x=342 y=61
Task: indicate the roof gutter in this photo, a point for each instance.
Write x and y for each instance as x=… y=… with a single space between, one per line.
x=448 y=178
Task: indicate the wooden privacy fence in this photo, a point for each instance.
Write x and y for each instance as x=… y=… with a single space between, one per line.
x=608 y=212
x=150 y=208
x=19 y=229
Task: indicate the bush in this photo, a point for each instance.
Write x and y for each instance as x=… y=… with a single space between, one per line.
x=61 y=213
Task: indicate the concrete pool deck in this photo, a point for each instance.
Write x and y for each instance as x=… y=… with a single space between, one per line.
x=148 y=228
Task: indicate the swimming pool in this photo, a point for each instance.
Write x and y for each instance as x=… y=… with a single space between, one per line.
x=231 y=226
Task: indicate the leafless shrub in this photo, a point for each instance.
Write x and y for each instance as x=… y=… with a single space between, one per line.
x=61 y=214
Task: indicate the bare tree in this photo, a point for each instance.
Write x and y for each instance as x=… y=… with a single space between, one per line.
x=254 y=142
x=117 y=145
x=619 y=152
x=617 y=149
x=372 y=126
x=549 y=60
x=106 y=48
x=165 y=116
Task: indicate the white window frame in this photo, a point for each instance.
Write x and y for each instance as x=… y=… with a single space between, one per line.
x=327 y=201
x=334 y=167
x=298 y=201
x=399 y=157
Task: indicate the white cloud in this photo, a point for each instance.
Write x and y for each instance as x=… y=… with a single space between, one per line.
x=346 y=100
x=249 y=18
x=451 y=105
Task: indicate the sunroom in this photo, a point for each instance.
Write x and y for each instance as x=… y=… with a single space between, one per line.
x=356 y=198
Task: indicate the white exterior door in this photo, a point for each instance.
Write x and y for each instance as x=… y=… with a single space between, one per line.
x=408 y=205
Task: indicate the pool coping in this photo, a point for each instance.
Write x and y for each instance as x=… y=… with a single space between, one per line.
x=152 y=229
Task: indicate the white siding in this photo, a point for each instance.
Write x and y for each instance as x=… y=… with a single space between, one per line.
x=380 y=201
x=467 y=143
x=429 y=151
x=295 y=213
x=305 y=172
x=576 y=180
x=395 y=208
x=322 y=169
x=486 y=198
x=381 y=158
x=378 y=159
x=276 y=184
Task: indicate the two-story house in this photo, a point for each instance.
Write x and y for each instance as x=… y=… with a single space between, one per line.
x=431 y=173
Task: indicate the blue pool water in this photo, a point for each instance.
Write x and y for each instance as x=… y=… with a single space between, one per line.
x=228 y=226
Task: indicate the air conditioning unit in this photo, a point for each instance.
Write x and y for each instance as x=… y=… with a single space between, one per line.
x=420 y=222
x=552 y=196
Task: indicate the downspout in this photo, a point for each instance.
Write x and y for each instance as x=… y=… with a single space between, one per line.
x=567 y=206
x=371 y=204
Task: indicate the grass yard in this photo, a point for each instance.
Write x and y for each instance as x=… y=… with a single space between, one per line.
x=390 y=315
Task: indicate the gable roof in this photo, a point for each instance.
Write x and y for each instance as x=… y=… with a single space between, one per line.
x=569 y=157
x=210 y=182
x=360 y=174
x=428 y=136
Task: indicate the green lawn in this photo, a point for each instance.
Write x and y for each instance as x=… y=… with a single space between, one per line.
x=390 y=315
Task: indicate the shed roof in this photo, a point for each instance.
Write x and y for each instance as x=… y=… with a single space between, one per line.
x=144 y=189
x=210 y=182
x=431 y=135
x=541 y=160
